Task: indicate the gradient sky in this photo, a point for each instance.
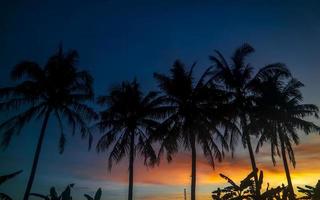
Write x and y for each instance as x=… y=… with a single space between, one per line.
x=120 y=40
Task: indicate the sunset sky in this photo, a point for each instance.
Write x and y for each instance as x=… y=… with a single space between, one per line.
x=119 y=40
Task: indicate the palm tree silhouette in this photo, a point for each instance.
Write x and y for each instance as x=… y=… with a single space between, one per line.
x=194 y=116
x=127 y=122
x=279 y=114
x=239 y=80
x=57 y=89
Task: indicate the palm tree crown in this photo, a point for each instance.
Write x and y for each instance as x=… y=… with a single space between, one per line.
x=279 y=114
x=127 y=122
x=239 y=81
x=195 y=115
x=58 y=88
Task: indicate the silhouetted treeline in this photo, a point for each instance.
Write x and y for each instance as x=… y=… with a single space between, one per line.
x=230 y=103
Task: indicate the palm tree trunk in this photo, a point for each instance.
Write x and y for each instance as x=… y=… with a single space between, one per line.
x=194 y=168
x=251 y=153
x=36 y=156
x=253 y=165
x=131 y=160
x=286 y=168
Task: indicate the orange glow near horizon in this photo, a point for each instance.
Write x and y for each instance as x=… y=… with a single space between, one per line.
x=177 y=173
x=306 y=156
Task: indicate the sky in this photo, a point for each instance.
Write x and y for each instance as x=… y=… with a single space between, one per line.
x=120 y=40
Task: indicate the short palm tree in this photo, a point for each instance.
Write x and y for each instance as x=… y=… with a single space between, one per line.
x=279 y=115
x=126 y=122
x=58 y=89
x=196 y=115
x=239 y=81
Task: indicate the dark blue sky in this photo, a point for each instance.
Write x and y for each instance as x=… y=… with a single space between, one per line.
x=119 y=40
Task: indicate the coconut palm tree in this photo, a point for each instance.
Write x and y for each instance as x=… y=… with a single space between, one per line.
x=58 y=89
x=196 y=115
x=126 y=122
x=279 y=115
x=239 y=80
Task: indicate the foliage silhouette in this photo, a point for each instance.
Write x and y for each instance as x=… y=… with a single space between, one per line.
x=53 y=195
x=127 y=122
x=57 y=89
x=279 y=114
x=239 y=81
x=4 y=196
x=196 y=115
x=97 y=195
x=310 y=193
x=4 y=178
x=246 y=190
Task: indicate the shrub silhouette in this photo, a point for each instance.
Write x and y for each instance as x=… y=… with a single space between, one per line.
x=5 y=178
x=310 y=193
x=246 y=190
x=53 y=195
x=97 y=195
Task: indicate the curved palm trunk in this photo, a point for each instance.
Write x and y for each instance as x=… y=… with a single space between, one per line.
x=194 y=168
x=36 y=156
x=131 y=160
x=253 y=165
x=252 y=158
x=286 y=168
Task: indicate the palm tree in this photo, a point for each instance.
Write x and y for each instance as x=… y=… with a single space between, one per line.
x=279 y=114
x=127 y=122
x=57 y=89
x=239 y=80
x=195 y=115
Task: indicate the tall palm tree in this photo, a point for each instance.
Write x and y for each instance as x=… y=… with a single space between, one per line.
x=239 y=81
x=279 y=114
x=195 y=116
x=127 y=122
x=58 y=89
